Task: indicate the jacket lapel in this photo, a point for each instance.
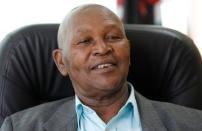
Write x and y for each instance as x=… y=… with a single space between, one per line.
x=149 y=117
x=64 y=119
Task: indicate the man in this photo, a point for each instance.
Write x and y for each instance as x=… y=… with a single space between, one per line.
x=94 y=52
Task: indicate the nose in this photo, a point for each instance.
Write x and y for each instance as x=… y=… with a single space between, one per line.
x=102 y=48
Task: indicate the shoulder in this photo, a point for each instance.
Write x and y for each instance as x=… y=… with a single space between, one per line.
x=36 y=115
x=176 y=110
x=176 y=116
x=173 y=117
x=41 y=111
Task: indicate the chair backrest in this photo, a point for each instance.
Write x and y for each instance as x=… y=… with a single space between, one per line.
x=166 y=66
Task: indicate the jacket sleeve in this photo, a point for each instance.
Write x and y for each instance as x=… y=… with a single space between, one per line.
x=7 y=125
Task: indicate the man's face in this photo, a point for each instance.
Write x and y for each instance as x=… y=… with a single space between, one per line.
x=96 y=55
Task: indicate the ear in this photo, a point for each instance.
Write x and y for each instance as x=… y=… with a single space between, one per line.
x=58 y=59
x=129 y=45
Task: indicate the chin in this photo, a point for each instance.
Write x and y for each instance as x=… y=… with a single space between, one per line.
x=110 y=84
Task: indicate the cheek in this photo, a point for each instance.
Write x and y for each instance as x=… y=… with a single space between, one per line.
x=77 y=61
x=123 y=53
x=123 y=56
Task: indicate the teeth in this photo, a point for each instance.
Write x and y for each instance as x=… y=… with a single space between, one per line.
x=103 y=66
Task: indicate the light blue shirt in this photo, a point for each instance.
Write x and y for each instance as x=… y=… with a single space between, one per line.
x=127 y=119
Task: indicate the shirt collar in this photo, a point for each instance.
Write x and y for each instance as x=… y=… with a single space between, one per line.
x=131 y=101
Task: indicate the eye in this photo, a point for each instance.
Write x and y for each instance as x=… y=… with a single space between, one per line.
x=113 y=37
x=85 y=41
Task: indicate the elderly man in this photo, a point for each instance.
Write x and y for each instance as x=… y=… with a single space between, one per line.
x=94 y=52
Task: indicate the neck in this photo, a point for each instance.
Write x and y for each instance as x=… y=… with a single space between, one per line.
x=107 y=106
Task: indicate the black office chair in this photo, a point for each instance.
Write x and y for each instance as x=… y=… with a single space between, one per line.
x=166 y=66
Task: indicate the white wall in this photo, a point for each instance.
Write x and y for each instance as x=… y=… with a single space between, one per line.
x=175 y=14
x=18 y=13
x=184 y=16
x=196 y=23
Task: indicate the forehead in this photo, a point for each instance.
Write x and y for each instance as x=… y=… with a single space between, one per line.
x=94 y=18
x=90 y=17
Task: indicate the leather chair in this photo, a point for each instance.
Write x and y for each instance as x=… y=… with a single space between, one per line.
x=165 y=66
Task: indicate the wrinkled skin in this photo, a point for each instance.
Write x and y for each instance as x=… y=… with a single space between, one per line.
x=94 y=52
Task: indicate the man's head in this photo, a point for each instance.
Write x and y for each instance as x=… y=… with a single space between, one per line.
x=93 y=51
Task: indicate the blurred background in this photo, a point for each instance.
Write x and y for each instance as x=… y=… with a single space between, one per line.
x=182 y=15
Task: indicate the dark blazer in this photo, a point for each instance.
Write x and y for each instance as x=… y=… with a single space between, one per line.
x=61 y=116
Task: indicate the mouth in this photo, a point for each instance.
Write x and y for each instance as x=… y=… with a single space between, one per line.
x=103 y=65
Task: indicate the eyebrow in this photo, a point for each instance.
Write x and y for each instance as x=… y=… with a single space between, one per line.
x=83 y=31
x=113 y=25
x=108 y=26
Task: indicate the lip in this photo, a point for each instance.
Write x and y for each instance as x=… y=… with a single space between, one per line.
x=111 y=62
